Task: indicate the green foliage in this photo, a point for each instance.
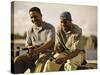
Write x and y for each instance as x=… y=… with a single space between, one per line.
x=89 y=42
x=17 y=36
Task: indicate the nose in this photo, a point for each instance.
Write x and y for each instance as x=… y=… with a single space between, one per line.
x=63 y=24
x=34 y=19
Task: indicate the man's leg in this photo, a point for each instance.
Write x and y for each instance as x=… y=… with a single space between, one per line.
x=75 y=62
x=22 y=63
x=51 y=64
x=40 y=63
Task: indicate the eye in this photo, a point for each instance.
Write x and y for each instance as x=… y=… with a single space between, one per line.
x=64 y=22
x=33 y=16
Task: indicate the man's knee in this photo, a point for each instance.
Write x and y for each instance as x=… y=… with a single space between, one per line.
x=20 y=65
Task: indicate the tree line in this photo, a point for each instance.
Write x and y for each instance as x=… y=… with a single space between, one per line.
x=88 y=42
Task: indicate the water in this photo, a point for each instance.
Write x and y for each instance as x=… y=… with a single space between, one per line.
x=91 y=54
x=18 y=45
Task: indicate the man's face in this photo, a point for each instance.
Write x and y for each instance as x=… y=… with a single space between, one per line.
x=66 y=24
x=35 y=17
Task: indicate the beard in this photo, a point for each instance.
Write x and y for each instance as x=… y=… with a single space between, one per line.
x=66 y=28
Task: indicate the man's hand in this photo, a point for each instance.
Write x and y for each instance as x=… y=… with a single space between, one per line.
x=36 y=50
x=31 y=51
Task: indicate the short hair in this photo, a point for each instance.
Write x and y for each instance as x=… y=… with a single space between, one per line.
x=35 y=9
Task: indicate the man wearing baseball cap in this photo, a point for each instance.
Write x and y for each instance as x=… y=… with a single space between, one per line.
x=68 y=49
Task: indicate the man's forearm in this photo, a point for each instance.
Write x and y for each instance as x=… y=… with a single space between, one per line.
x=72 y=54
x=44 y=47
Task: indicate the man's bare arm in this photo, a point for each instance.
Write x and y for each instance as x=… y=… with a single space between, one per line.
x=43 y=47
x=69 y=56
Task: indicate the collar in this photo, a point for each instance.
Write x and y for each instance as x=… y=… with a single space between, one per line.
x=38 y=28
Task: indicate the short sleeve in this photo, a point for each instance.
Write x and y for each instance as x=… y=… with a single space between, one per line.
x=28 y=39
x=51 y=34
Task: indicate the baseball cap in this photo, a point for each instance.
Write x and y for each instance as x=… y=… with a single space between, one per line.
x=66 y=15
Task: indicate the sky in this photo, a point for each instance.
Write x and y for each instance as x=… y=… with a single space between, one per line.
x=82 y=15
